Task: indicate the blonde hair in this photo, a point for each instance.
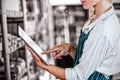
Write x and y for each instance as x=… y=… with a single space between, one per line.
x=110 y=1
x=92 y=13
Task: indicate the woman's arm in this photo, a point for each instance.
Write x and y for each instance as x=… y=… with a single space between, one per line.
x=56 y=71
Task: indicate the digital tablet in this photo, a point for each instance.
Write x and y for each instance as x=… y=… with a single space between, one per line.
x=32 y=45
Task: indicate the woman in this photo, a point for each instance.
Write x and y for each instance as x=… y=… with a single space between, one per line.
x=97 y=54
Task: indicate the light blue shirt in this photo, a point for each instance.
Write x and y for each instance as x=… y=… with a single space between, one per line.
x=101 y=50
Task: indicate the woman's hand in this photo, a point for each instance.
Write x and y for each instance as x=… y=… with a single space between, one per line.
x=60 y=50
x=37 y=60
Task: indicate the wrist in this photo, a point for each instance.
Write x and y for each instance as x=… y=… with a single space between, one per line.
x=48 y=67
x=68 y=45
x=72 y=51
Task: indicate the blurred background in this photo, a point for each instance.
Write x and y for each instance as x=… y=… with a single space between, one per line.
x=48 y=23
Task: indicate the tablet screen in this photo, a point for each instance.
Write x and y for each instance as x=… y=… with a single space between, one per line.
x=32 y=44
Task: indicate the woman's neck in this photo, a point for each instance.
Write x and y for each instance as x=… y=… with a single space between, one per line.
x=101 y=7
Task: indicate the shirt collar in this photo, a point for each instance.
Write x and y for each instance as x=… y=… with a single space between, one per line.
x=107 y=14
x=101 y=18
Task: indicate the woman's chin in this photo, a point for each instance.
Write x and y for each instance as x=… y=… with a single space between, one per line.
x=85 y=7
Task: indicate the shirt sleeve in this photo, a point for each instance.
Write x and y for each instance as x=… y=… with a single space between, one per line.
x=71 y=74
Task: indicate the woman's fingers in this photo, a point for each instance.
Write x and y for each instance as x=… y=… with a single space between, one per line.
x=36 y=58
x=58 y=51
x=51 y=50
x=59 y=56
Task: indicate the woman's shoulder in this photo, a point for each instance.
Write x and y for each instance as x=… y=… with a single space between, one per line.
x=112 y=31
x=111 y=28
x=112 y=25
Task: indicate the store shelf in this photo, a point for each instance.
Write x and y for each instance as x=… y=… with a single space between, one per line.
x=13 y=73
x=16 y=47
x=12 y=44
x=13 y=14
x=13 y=48
x=15 y=20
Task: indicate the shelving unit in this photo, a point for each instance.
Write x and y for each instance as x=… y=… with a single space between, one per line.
x=14 y=67
x=14 y=43
x=68 y=20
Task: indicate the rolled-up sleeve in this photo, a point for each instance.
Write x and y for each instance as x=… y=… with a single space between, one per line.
x=71 y=74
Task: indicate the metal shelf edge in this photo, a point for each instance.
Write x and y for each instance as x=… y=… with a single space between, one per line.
x=13 y=14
